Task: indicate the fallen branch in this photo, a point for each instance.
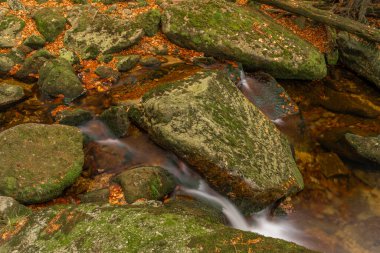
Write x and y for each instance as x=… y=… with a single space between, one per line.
x=326 y=17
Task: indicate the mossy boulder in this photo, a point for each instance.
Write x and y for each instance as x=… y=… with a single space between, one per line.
x=10 y=94
x=150 y=21
x=226 y=30
x=32 y=65
x=361 y=57
x=207 y=122
x=57 y=77
x=10 y=27
x=35 y=42
x=151 y=183
x=104 y=228
x=93 y=33
x=37 y=161
x=50 y=22
x=116 y=119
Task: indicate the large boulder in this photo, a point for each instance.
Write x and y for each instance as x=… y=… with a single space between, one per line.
x=361 y=57
x=10 y=26
x=104 y=228
x=93 y=33
x=207 y=122
x=37 y=162
x=226 y=30
x=58 y=77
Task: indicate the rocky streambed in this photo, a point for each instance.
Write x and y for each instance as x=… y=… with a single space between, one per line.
x=141 y=126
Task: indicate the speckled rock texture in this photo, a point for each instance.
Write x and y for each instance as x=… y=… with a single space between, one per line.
x=95 y=228
x=10 y=94
x=361 y=57
x=366 y=147
x=226 y=30
x=10 y=26
x=57 y=77
x=93 y=33
x=207 y=122
x=37 y=161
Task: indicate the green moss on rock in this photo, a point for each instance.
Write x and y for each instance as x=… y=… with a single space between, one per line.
x=207 y=122
x=50 y=22
x=226 y=30
x=37 y=162
x=175 y=228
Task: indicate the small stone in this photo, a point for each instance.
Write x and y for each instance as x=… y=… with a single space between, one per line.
x=331 y=165
x=152 y=183
x=10 y=209
x=96 y=196
x=126 y=63
x=10 y=94
x=35 y=42
x=107 y=72
x=116 y=118
x=74 y=117
x=150 y=61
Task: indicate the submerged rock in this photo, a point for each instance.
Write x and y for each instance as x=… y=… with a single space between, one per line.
x=10 y=26
x=37 y=162
x=58 y=77
x=361 y=57
x=151 y=183
x=176 y=228
x=226 y=30
x=366 y=147
x=10 y=94
x=207 y=122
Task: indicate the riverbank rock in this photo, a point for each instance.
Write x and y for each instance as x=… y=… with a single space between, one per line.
x=96 y=228
x=207 y=122
x=58 y=77
x=10 y=27
x=32 y=65
x=10 y=94
x=366 y=147
x=93 y=33
x=50 y=22
x=151 y=183
x=37 y=162
x=226 y=30
x=360 y=57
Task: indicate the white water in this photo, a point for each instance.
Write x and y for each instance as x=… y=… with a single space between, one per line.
x=191 y=184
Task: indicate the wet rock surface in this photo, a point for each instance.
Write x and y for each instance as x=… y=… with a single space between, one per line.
x=367 y=147
x=135 y=229
x=207 y=122
x=39 y=161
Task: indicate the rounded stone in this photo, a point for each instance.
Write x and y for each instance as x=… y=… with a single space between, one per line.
x=10 y=94
x=37 y=161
